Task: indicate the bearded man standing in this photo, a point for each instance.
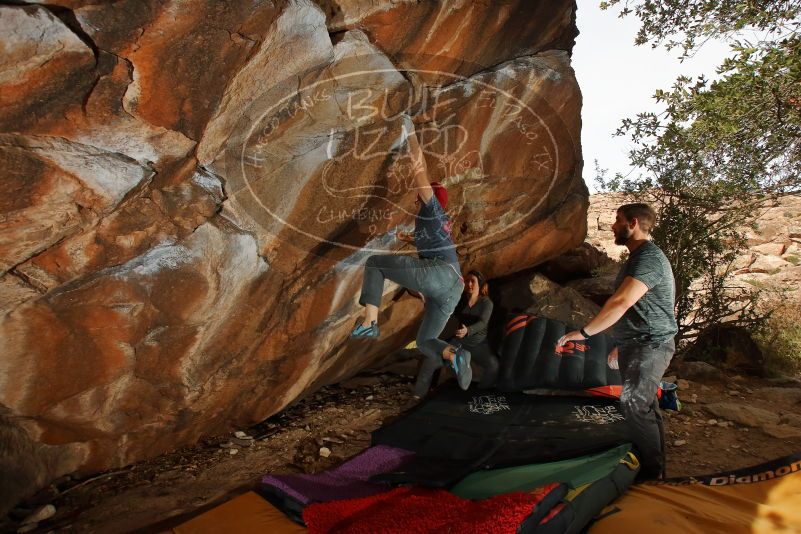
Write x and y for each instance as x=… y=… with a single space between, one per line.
x=642 y=313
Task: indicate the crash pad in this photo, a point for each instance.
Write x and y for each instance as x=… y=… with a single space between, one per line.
x=763 y=499
x=246 y=514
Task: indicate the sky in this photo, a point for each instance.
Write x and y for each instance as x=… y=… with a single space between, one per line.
x=618 y=79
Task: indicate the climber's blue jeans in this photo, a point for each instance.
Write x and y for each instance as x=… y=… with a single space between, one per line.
x=441 y=286
x=641 y=368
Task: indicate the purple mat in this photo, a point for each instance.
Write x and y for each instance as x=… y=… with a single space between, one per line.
x=348 y=481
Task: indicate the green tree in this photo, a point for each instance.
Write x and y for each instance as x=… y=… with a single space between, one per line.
x=721 y=148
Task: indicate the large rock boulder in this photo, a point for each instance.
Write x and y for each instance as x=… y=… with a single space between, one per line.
x=583 y=262
x=190 y=190
x=597 y=289
x=536 y=294
x=729 y=347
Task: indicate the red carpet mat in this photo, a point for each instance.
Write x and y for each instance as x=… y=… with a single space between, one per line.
x=420 y=511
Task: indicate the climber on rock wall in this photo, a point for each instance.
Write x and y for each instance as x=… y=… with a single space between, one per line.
x=435 y=275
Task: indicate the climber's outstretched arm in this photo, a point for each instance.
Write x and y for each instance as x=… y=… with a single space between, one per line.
x=419 y=169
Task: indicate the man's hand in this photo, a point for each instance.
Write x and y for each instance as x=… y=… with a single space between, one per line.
x=575 y=335
x=448 y=353
x=611 y=360
x=461 y=331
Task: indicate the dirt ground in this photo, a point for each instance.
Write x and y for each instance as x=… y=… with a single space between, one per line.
x=154 y=495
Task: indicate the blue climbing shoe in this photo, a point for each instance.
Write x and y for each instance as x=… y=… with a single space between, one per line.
x=461 y=366
x=362 y=332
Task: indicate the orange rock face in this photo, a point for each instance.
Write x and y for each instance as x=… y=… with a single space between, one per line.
x=189 y=191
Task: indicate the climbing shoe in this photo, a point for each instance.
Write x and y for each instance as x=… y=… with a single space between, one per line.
x=365 y=332
x=461 y=366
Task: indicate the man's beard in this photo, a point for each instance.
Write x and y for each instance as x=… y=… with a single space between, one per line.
x=622 y=236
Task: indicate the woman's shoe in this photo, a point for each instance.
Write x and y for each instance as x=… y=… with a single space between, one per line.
x=461 y=366
x=365 y=332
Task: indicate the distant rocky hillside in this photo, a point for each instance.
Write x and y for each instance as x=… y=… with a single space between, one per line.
x=773 y=258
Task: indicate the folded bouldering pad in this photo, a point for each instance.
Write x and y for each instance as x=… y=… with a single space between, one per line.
x=455 y=432
x=291 y=493
x=530 y=359
x=583 y=503
x=763 y=499
x=575 y=472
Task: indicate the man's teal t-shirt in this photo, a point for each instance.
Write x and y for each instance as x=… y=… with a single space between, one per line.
x=652 y=318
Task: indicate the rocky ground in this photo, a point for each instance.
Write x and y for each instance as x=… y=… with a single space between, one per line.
x=727 y=421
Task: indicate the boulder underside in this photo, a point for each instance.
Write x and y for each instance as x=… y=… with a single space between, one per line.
x=189 y=192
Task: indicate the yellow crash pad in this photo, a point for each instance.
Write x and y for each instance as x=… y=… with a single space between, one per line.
x=248 y=513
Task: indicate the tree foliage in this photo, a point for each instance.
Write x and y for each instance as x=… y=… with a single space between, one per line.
x=687 y=24
x=721 y=148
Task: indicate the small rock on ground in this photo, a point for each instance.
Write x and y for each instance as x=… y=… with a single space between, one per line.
x=743 y=414
x=782 y=431
x=45 y=512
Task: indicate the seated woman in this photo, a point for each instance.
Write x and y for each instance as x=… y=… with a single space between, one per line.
x=435 y=275
x=473 y=313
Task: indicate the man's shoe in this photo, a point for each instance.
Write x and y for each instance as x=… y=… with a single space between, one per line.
x=461 y=366
x=365 y=332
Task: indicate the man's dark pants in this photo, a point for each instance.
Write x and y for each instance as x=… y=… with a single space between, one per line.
x=642 y=367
